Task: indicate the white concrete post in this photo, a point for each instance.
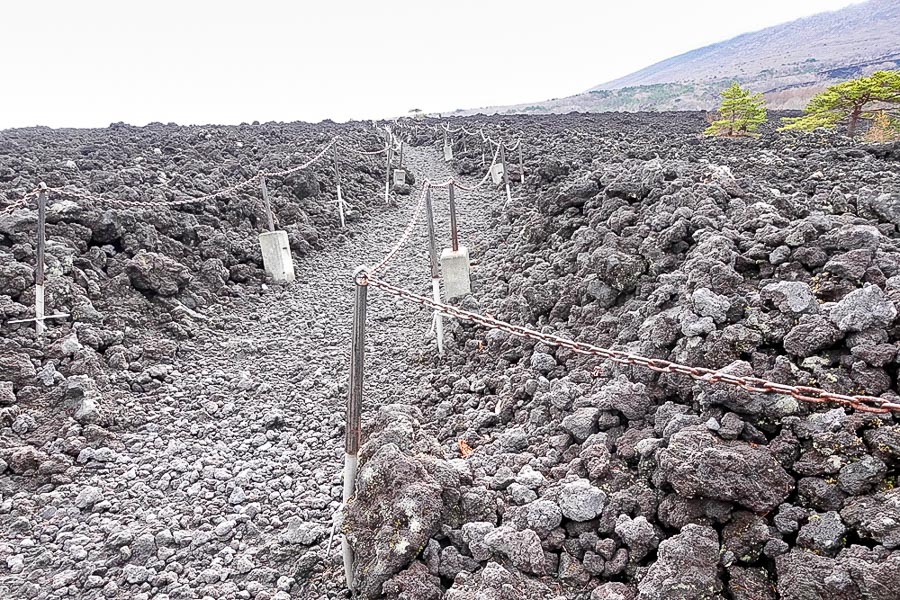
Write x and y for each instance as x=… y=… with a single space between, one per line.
x=455 y=265
x=276 y=253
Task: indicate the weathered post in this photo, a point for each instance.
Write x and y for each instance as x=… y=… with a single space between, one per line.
x=521 y=164
x=448 y=148
x=505 y=174
x=455 y=266
x=39 y=325
x=401 y=153
x=265 y=195
x=435 y=276
x=354 y=408
x=274 y=245
x=387 y=176
x=337 y=178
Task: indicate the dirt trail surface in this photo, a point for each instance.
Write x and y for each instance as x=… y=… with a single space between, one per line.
x=181 y=435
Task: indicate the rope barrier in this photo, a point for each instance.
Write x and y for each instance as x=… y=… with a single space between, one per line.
x=78 y=193
x=801 y=393
x=404 y=237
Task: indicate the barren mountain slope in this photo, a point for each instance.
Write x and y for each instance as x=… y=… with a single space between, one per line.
x=789 y=63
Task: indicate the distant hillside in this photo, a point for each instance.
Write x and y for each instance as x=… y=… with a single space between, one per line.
x=789 y=63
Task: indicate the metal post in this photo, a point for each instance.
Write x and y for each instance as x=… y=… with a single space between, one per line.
x=337 y=177
x=39 y=325
x=354 y=411
x=521 y=164
x=505 y=174
x=435 y=276
x=454 y=238
x=401 y=153
x=265 y=195
x=387 y=177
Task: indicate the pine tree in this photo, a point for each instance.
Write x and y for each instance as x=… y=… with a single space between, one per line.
x=848 y=102
x=740 y=113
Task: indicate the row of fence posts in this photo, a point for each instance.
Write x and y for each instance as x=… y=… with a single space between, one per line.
x=499 y=171
x=274 y=243
x=454 y=266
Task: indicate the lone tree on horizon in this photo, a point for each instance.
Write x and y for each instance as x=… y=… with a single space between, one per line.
x=850 y=102
x=741 y=113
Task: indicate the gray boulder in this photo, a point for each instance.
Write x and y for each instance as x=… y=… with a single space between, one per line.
x=523 y=548
x=580 y=501
x=791 y=297
x=876 y=517
x=157 y=274
x=687 y=567
x=494 y=582
x=863 y=309
x=698 y=464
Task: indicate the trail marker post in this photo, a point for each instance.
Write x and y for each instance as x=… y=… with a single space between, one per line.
x=387 y=177
x=354 y=410
x=265 y=195
x=399 y=177
x=274 y=245
x=39 y=325
x=337 y=178
x=401 y=153
x=521 y=164
x=435 y=276
x=497 y=173
x=455 y=266
x=505 y=174
x=448 y=149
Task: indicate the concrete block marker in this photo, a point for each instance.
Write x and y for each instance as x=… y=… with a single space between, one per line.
x=455 y=260
x=276 y=253
x=399 y=176
x=448 y=152
x=455 y=268
x=497 y=173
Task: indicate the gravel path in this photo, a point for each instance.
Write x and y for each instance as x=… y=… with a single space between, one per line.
x=227 y=489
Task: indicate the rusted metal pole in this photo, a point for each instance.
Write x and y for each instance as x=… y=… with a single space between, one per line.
x=39 y=325
x=354 y=410
x=435 y=275
x=454 y=237
x=265 y=195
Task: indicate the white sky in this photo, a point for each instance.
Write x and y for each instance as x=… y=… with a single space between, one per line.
x=88 y=63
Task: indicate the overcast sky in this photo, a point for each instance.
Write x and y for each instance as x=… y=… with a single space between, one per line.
x=88 y=63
